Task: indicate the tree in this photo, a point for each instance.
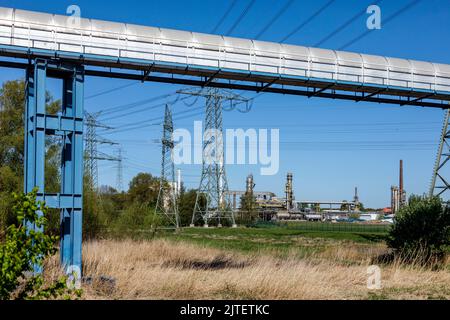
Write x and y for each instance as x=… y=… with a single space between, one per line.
x=144 y=189
x=345 y=206
x=186 y=203
x=25 y=249
x=361 y=207
x=248 y=208
x=421 y=230
x=12 y=109
x=92 y=221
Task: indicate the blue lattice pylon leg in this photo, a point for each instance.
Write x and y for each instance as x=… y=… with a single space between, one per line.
x=69 y=125
x=72 y=172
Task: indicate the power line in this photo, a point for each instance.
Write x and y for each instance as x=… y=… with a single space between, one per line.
x=127 y=112
x=156 y=123
x=233 y=3
x=135 y=111
x=361 y=124
x=275 y=18
x=344 y=25
x=110 y=110
x=155 y=118
x=95 y=95
x=311 y=18
x=385 y=21
x=242 y=16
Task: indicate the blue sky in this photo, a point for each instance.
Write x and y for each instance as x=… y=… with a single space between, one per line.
x=330 y=146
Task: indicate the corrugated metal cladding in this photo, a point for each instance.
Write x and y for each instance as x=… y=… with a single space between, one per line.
x=102 y=38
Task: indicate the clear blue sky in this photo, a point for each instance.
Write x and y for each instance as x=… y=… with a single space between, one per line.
x=330 y=146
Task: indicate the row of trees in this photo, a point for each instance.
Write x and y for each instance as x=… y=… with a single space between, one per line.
x=103 y=209
x=135 y=209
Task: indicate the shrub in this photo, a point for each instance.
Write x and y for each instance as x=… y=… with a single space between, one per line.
x=421 y=230
x=137 y=216
x=24 y=250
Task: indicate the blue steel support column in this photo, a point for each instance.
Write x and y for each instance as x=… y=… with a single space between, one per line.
x=34 y=135
x=72 y=173
x=69 y=125
x=34 y=162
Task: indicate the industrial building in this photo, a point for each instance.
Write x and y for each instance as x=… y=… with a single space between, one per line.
x=271 y=207
x=398 y=194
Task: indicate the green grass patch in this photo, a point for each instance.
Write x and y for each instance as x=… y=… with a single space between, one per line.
x=279 y=240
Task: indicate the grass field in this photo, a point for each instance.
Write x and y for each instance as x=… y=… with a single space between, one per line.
x=277 y=240
x=251 y=263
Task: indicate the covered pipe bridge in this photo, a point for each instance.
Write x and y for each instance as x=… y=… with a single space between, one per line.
x=192 y=58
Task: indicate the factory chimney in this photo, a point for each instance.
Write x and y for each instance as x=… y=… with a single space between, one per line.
x=178 y=182
x=356 y=199
x=401 y=191
x=401 y=177
x=289 y=192
x=249 y=185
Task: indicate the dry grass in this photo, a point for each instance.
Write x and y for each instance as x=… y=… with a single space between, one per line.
x=162 y=269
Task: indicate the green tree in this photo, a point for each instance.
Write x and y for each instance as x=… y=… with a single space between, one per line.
x=23 y=250
x=144 y=189
x=248 y=208
x=92 y=210
x=421 y=230
x=186 y=203
x=112 y=204
x=361 y=207
x=137 y=216
x=345 y=206
x=12 y=108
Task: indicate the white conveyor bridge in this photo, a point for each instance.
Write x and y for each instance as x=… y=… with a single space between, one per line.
x=163 y=55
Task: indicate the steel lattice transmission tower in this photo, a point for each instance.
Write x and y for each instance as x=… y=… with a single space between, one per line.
x=439 y=184
x=92 y=154
x=166 y=203
x=119 y=182
x=213 y=199
x=90 y=162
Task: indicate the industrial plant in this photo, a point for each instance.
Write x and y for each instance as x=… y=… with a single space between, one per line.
x=270 y=207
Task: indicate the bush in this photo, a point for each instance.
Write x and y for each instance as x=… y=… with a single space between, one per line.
x=26 y=249
x=421 y=230
x=137 y=216
x=186 y=203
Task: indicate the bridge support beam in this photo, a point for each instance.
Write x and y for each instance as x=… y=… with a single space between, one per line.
x=67 y=124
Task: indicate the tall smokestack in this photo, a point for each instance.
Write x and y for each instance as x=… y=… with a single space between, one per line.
x=249 y=184
x=401 y=178
x=356 y=198
x=178 y=181
x=401 y=191
x=289 y=192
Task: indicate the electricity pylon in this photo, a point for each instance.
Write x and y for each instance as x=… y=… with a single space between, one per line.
x=439 y=184
x=92 y=154
x=166 y=204
x=90 y=162
x=213 y=199
x=119 y=182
